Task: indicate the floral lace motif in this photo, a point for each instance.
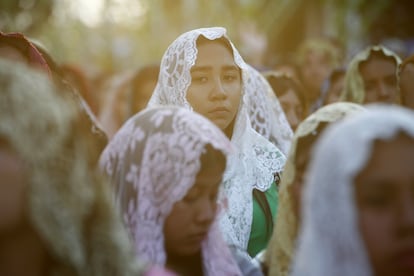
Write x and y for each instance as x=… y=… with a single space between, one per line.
x=153 y=161
x=265 y=112
x=253 y=162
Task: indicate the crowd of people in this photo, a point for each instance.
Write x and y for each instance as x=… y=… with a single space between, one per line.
x=205 y=165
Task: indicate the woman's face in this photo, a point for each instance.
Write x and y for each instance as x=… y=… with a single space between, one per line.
x=215 y=88
x=380 y=80
x=315 y=70
x=384 y=192
x=292 y=107
x=190 y=219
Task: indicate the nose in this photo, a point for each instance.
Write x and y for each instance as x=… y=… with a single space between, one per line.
x=206 y=211
x=218 y=92
x=383 y=92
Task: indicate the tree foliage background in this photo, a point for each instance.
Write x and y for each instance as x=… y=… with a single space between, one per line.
x=114 y=35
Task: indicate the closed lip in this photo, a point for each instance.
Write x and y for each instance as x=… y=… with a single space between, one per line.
x=199 y=236
x=219 y=109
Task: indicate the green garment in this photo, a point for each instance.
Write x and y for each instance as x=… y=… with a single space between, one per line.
x=259 y=233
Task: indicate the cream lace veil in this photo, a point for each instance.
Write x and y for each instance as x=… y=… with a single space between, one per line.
x=68 y=203
x=153 y=161
x=330 y=242
x=354 y=84
x=253 y=162
x=280 y=252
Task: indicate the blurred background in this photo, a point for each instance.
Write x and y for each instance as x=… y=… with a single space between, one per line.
x=117 y=35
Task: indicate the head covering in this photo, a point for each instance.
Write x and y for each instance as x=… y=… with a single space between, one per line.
x=265 y=112
x=254 y=160
x=280 y=251
x=23 y=45
x=153 y=161
x=354 y=84
x=330 y=242
x=68 y=203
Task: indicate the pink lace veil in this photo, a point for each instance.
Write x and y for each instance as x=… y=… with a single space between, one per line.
x=153 y=161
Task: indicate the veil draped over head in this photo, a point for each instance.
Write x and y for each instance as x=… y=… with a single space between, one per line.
x=280 y=252
x=68 y=203
x=354 y=90
x=265 y=112
x=153 y=161
x=330 y=216
x=254 y=161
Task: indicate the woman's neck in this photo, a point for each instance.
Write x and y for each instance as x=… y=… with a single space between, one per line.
x=22 y=253
x=189 y=265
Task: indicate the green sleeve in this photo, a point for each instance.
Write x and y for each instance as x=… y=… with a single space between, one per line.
x=260 y=234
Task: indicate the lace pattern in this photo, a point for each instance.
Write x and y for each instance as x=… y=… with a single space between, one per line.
x=153 y=161
x=253 y=162
x=330 y=221
x=266 y=113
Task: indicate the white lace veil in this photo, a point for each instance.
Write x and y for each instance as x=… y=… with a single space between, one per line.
x=255 y=159
x=330 y=242
x=266 y=113
x=153 y=161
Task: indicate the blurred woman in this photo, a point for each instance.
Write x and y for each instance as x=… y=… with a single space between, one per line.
x=358 y=204
x=371 y=77
x=57 y=216
x=166 y=165
x=291 y=95
x=280 y=252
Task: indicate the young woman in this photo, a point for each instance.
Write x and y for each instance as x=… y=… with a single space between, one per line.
x=202 y=71
x=358 y=204
x=166 y=165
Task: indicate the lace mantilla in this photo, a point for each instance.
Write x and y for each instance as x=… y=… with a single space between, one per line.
x=265 y=112
x=153 y=161
x=330 y=219
x=255 y=159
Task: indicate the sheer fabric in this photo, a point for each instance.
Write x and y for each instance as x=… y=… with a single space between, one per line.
x=265 y=112
x=280 y=252
x=153 y=161
x=330 y=242
x=354 y=84
x=253 y=162
x=67 y=202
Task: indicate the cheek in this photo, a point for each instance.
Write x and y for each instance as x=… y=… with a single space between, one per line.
x=376 y=231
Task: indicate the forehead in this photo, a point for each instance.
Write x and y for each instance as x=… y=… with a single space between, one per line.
x=390 y=160
x=377 y=65
x=214 y=52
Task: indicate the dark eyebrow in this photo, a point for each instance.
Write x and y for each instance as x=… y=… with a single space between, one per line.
x=200 y=69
